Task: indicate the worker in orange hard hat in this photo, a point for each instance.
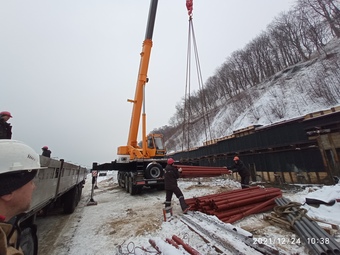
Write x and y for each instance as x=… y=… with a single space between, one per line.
x=242 y=171
x=5 y=128
x=171 y=187
x=46 y=152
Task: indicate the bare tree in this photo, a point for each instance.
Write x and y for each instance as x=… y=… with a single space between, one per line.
x=278 y=106
x=328 y=9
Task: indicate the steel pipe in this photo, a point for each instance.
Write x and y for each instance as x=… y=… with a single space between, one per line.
x=187 y=247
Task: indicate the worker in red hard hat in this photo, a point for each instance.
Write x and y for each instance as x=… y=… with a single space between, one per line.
x=46 y=152
x=242 y=171
x=5 y=128
x=171 y=187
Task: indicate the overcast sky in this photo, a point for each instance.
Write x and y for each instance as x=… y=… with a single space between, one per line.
x=67 y=68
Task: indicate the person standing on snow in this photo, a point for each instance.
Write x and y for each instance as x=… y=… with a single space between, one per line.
x=5 y=128
x=171 y=187
x=19 y=165
x=242 y=171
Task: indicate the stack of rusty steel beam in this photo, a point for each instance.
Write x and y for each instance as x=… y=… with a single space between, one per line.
x=176 y=242
x=201 y=171
x=234 y=205
x=316 y=239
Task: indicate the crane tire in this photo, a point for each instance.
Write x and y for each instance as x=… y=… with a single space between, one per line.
x=154 y=171
x=127 y=186
x=120 y=182
x=133 y=189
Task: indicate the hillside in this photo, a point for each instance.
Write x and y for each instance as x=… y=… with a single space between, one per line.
x=305 y=87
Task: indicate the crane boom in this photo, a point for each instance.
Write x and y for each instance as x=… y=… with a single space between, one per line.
x=149 y=148
x=141 y=166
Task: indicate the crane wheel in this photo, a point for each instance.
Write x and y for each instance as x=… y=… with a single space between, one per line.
x=154 y=171
x=127 y=186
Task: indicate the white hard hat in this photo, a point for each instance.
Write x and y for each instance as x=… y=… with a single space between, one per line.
x=17 y=156
x=19 y=164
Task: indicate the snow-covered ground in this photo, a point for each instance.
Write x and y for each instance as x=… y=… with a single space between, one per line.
x=124 y=224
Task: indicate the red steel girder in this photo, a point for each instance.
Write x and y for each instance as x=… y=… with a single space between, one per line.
x=201 y=171
x=234 y=205
x=187 y=247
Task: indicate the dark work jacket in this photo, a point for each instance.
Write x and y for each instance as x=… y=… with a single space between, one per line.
x=170 y=177
x=5 y=129
x=46 y=153
x=240 y=168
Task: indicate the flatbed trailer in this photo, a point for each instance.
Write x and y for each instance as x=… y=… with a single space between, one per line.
x=60 y=184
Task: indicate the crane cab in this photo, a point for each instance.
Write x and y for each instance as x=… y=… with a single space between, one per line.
x=155 y=146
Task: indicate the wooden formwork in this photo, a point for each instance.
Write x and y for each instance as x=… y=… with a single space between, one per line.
x=293 y=177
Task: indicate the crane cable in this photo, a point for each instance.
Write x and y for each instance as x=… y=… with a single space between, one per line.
x=201 y=93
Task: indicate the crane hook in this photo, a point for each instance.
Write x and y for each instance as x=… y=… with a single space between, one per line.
x=189 y=5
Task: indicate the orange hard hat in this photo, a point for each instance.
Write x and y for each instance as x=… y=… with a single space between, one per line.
x=236 y=158
x=171 y=161
x=6 y=113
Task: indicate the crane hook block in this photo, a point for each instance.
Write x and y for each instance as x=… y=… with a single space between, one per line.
x=189 y=5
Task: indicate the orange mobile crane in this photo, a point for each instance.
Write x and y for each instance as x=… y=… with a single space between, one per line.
x=140 y=166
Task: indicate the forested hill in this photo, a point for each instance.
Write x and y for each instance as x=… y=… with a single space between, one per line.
x=287 y=71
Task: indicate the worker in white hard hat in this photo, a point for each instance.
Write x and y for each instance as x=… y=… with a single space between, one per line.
x=19 y=164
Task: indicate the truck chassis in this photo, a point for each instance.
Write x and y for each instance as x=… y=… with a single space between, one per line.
x=135 y=174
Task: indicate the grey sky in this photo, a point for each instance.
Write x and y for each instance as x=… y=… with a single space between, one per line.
x=68 y=67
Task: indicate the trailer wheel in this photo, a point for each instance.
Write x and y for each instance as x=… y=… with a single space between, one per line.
x=154 y=171
x=80 y=190
x=29 y=240
x=70 y=200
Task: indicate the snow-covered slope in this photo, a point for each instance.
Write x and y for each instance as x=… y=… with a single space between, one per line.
x=296 y=91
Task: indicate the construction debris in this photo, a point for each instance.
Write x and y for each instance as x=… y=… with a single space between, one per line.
x=316 y=239
x=225 y=236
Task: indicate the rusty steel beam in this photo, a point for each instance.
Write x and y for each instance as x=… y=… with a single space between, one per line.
x=154 y=245
x=265 y=206
x=247 y=200
x=201 y=171
x=241 y=216
x=255 y=195
x=172 y=242
x=234 y=205
x=186 y=246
